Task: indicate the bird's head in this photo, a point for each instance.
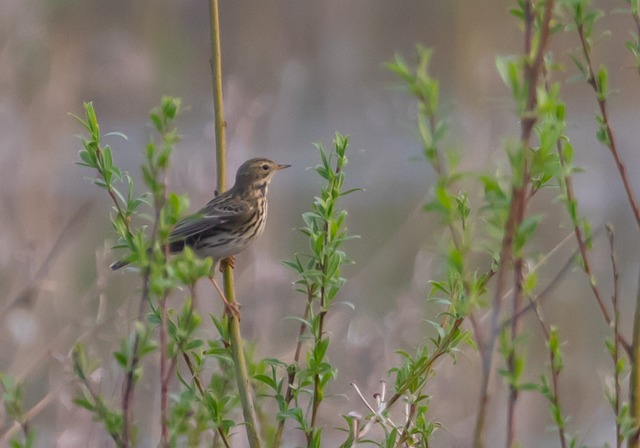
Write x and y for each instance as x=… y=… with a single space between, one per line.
x=255 y=174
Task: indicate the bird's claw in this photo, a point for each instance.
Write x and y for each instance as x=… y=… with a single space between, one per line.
x=229 y=261
x=233 y=309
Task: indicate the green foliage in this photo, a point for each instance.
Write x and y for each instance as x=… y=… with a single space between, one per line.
x=426 y=90
x=486 y=222
x=194 y=410
x=13 y=400
x=320 y=280
x=93 y=401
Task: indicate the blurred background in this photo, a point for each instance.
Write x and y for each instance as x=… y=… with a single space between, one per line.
x=293 y=74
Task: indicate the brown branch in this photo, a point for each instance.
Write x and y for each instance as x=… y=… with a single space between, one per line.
x=519 y=199
x=555 y=399
x=634 y=386
x=602 y=105
x=582 y=244
x=405 y=437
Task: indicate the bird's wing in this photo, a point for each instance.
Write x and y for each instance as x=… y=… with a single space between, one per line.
x=218 y=211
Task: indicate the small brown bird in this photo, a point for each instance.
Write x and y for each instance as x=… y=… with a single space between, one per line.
x=230 y=222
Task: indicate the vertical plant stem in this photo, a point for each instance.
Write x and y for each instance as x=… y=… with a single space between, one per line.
x=216 y=72
x=323 y=311
x=203 y=393
x=602 y=105
x=129 y=380
x=237 y=350
x=164 y=377
x=519 y=198
x=584 y=254
x=291 y=374
x=615 y=353
x=555 y=391
x=511 y=359
x=164 y=329
x=634 y=382
x=634 y=385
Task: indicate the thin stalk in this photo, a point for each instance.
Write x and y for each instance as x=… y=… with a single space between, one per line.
x=511 y=359
x=164 y=377
x=124 y=440
x=203 y=393
x=323 y=312
x=636 y=20
x=532 y=72
x=216 y=71
x=291 y=374
x=118 y=438
x=164 y=334
x=586 y=263
x=634 y=385
x=235 y=337
x=442 y=349
x=634 y=382
x=615 y=354
x=129 y=381
x=555 y=398
x=519 y=199
x=404 y=436
x=613 y=148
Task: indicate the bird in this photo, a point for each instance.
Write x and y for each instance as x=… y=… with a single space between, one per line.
x=231 y=221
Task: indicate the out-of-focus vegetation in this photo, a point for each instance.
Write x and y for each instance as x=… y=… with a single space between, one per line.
x=293 y=74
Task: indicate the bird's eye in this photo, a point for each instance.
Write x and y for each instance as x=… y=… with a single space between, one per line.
x=265 y=167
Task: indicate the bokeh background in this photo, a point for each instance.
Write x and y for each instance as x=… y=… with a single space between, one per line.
x=293 y=74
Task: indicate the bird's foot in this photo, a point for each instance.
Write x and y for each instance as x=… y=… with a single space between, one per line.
x=229 y=261
x=231 y=308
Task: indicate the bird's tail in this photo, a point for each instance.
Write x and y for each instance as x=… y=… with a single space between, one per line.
x=118 y=265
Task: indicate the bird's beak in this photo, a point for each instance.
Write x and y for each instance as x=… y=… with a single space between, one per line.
x=281 y=167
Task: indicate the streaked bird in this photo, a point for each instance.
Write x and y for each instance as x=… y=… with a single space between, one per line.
x=230 y=222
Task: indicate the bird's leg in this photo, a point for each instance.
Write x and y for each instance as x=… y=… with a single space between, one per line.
x=231 y=308
x=229 y=261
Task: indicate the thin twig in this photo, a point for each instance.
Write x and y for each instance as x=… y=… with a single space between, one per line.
x=203 y=394
x=441 y=349
x=519 y=198
x=129 y=379
x=119 y=439
x=164 y=375
x=318 y=337
x=235 y=337
x=291 y=374
x=634 y=387
x=615 y=355
x=602 y=105
x=555 y=399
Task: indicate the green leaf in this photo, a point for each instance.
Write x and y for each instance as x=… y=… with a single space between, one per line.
x=88 y=158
